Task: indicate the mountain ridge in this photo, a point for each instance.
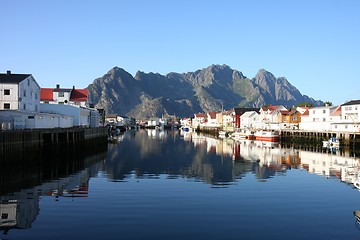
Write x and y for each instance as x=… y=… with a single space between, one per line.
x=213 y=88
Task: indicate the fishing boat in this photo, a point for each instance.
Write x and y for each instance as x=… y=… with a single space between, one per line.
x=243 y=134
x=267 y=135
x=332 y=142
x=223 y=134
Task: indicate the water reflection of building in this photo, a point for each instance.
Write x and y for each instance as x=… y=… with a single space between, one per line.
x=19 y=206
x=331 y=165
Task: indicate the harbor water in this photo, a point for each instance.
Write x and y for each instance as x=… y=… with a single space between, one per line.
x=154 y=184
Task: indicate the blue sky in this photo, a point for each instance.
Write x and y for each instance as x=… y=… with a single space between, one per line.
x=314 y=44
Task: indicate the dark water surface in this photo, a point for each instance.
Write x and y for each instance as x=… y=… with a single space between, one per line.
x=171 y=185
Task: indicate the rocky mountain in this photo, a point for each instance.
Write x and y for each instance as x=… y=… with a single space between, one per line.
x=183 y=94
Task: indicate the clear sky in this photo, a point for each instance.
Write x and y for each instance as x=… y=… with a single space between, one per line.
x=315 y=44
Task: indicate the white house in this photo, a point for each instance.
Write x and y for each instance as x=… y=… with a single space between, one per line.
x=269 y=116
x=349 y=120
x=199 y=119
x=320 y=118
x=249 y=120
x=211 y=120
x=19 y=92
x=66 y=96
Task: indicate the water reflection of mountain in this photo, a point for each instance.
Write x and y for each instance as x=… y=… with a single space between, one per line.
x=147 y=154
x=63 y=171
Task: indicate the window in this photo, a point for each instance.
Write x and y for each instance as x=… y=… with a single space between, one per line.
x=6 y=105
x=4 y=216
x=324 y=111
x=61 y=94
x=36 y=108
x=28 y=82
x=36 y=96
x=24 y=106
x=24 y=93
x=313 y=111
x=335 y=126
x=61 y=102
x=324 y=119
x=6 y=91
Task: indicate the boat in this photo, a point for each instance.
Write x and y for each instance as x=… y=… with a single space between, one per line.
x=243 y=134
x=331 y=143
x=223 y=134
x=185 y=128
x=267 y=135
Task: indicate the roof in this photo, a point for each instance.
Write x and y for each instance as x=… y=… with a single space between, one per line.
x=200 y=115
x=79 y=95
x=352 y=102
x=240 y=111
x=46 y=94
x=212 y=115
x=249 y=113
x=270 y=107
x=13 y=78
x=284 y=112
x=337 y=112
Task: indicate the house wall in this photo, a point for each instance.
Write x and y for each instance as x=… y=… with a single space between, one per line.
x=26 y=120
x=13 y=98
x=29 y=93
x=319 y=119
x=249 y=120
x=81 y=116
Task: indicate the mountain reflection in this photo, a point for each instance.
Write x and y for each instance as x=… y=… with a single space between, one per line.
x=148 y=153
x=65 y=172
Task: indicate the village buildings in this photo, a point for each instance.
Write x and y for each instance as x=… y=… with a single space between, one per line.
x=25 y=105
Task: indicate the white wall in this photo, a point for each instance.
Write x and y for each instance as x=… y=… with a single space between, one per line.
x=27 y=120
x=29 y=92
x=81 y=116
x=12 y=98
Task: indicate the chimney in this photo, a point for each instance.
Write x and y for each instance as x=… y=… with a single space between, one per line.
x=8 y=72
x=73 y=87
x=57 y=85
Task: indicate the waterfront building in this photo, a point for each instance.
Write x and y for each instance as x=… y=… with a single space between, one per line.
x=20 y=105
x=225 y=120
x=211 y=120
x=198 y=120
x=71 y=102
x=237 y=114
x=289 y=119
x=349 y=120
x=65 y=96
x=319 y=119
x=269 y=118
x=19 y=92
x=249 y=120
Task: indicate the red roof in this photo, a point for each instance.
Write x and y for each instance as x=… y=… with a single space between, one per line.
x=79 y=95
x=212 y=115
x=200 y=115
x=46 y=94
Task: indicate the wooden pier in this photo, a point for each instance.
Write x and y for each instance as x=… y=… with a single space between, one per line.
x=23 y=140
x=346 y=139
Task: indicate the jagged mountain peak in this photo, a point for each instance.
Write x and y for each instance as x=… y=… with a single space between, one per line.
x=183 y=94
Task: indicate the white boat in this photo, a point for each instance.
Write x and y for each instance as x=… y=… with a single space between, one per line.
x=332 y=142
x=186 y=128
x=267 y=135
x=243 y=134
x=222 y=134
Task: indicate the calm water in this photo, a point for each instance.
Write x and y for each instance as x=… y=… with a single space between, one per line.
x=170 y=185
